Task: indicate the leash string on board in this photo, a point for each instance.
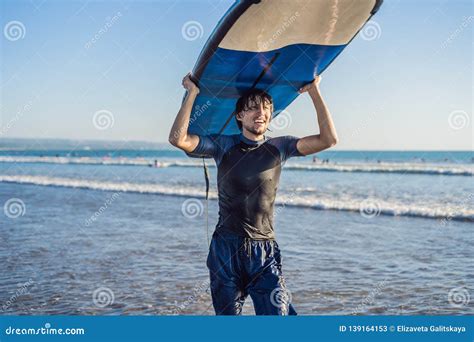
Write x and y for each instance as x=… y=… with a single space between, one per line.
x=206 y=176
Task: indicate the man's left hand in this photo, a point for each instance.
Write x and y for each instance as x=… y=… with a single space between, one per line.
x=311 y=86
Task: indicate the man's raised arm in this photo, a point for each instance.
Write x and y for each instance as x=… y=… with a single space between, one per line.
x=179 y=136
x=327 y=136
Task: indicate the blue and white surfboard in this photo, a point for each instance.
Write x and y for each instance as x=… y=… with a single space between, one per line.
x=275 y=45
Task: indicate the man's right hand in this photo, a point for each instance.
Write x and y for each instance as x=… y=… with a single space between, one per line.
x=189 y=85
x=179 y=136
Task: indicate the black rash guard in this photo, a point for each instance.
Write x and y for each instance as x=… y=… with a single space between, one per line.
x=248 y=174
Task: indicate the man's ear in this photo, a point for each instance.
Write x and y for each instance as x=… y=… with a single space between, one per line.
x=239 y=116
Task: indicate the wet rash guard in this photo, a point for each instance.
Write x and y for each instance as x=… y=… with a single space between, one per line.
x=248 y=174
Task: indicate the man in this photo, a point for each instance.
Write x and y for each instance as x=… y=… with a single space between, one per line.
x=244 y=258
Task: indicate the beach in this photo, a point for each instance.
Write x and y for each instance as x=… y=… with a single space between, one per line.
x=113 y=235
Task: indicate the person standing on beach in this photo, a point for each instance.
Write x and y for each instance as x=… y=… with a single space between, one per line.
x=244 y=257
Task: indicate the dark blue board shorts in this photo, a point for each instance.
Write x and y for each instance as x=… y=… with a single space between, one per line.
x=242 y=266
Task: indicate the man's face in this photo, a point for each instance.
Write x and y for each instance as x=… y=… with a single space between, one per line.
x=257 y=118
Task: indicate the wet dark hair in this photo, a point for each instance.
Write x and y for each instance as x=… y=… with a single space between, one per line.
x=250 y=98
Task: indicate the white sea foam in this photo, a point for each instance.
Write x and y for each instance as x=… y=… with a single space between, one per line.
x=321 y=201
x=382 y=167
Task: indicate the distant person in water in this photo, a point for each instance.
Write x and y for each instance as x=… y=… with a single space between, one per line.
x=244 y=258
x=155 y=164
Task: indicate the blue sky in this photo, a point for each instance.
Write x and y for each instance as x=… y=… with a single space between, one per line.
x=410 y=88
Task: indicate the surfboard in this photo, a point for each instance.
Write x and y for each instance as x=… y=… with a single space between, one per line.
x=275 y=45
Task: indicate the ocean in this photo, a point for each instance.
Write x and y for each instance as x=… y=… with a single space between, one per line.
x=125 y=232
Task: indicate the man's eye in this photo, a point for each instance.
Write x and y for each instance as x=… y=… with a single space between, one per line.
x=258 y=107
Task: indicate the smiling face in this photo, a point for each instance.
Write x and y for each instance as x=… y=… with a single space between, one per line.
x=254 y=111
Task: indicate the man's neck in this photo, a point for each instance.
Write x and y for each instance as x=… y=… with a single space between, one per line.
x=252 y=136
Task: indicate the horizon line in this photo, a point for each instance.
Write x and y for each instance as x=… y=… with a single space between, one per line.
x=91 y=140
